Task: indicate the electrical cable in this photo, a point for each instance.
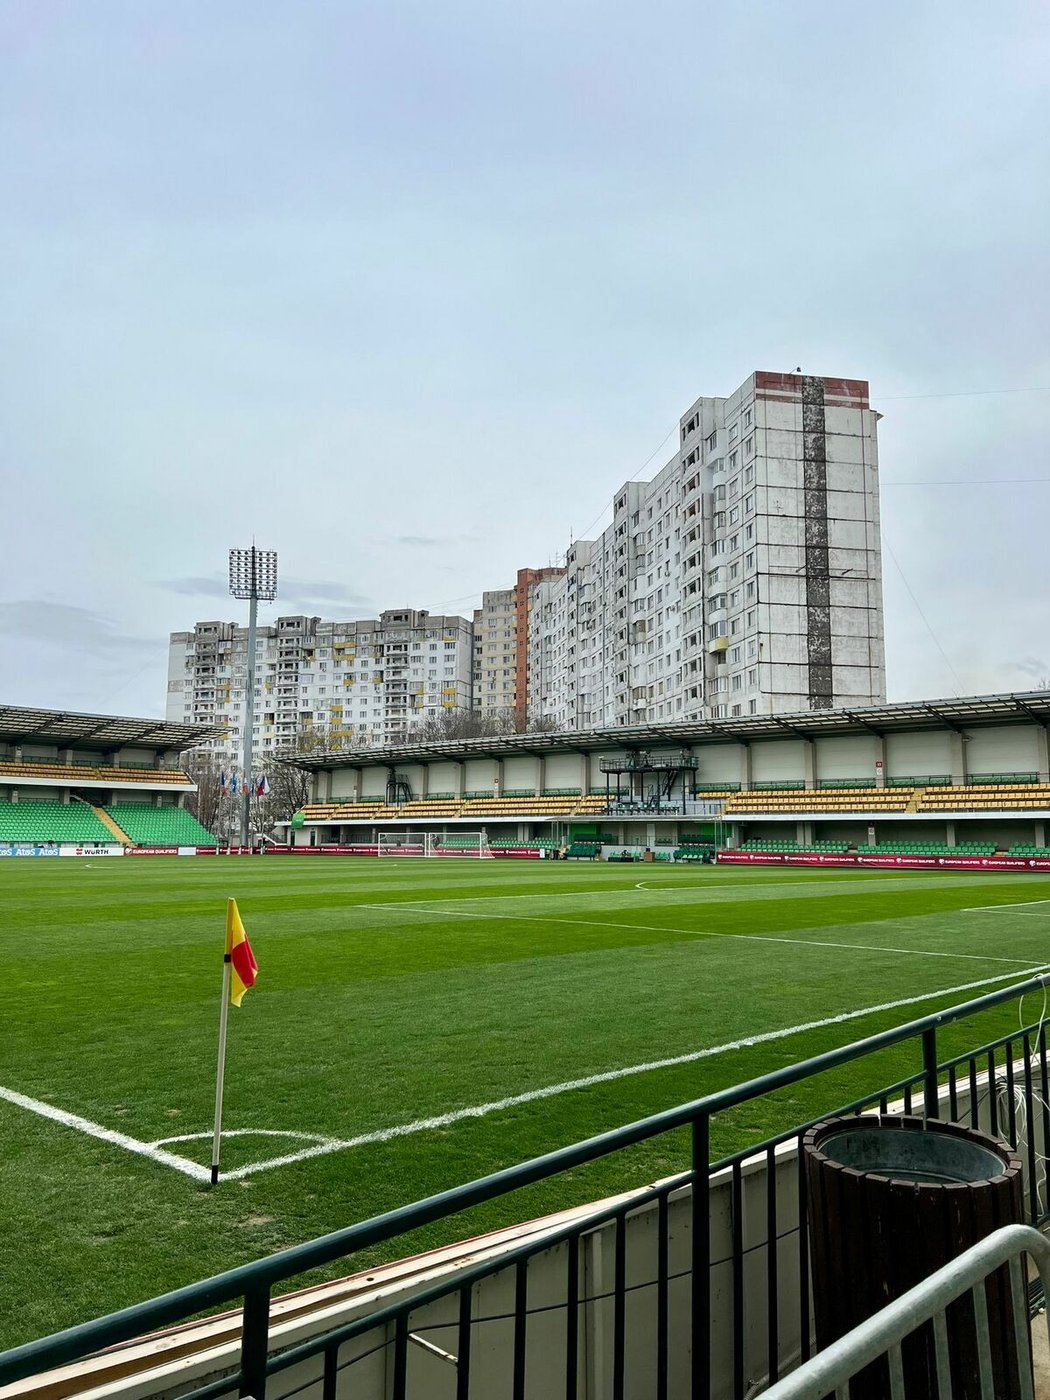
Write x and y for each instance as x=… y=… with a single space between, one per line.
x=918 y=608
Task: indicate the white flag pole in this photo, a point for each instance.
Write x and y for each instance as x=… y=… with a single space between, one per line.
x=221 y=1070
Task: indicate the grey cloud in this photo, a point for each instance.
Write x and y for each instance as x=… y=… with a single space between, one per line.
x=1031 y=666
x=62 y=624
x=290 y=589
x=197 y=587
x=418 y=541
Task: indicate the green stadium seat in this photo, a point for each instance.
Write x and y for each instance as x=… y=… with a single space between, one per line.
x=37 y=822
x=159 y=826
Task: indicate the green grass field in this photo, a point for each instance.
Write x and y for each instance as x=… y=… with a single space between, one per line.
x=392 y=992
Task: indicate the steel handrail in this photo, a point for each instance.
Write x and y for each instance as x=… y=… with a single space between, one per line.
x=253 y=1282
x=830 y=1371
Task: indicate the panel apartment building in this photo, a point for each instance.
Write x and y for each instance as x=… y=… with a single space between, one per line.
x=361 y=683
x=501 y=645
x=745 y=578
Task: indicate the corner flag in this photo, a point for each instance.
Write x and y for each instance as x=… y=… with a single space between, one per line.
x=243 y=967
x=239 y=971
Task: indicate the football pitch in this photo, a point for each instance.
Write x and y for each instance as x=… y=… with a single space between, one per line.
x=420 y=1023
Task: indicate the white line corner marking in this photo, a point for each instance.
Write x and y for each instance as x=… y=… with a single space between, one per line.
x=322 y=1146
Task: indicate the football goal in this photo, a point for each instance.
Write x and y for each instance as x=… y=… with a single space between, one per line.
x=468 y=844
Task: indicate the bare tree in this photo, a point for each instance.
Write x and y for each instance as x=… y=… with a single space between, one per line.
x=472 y=724
x=289 y=785
x=204 y=768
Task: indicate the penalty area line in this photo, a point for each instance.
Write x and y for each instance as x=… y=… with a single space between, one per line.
x=459 y=1115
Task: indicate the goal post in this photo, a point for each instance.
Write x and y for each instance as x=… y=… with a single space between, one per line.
x=471 y=845
x=401 y=843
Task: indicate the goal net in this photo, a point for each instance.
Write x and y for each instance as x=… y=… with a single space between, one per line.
x=472 y=844
x=469 y=844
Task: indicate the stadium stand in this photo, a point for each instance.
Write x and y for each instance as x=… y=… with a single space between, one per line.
x=74 y=773
x=989 y=797
x=930 y=848
x=852 y=799
x=41 y=822
x=159 y=826
x=835 y=848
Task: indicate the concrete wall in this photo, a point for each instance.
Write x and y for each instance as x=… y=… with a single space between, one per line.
x=920 y=753
x=780 y=760
x=1012 y=750
x=852 y=756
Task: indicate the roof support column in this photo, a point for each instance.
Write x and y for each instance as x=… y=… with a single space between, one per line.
x=424 y=782
x=541 y=774
x=585 y=774
x=1042 y=749
x=497 y=778
x=461 y=778
x=745 y=767
x=880 y=760
x=809 y=763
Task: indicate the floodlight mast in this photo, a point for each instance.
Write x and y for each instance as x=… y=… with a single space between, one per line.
x=253 y=575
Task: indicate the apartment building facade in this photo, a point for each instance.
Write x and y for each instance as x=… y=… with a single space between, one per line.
x=362 y=683
x=744 y=578
x=502 y=653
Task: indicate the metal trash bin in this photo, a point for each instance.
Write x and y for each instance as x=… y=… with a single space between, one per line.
x=891 y=1199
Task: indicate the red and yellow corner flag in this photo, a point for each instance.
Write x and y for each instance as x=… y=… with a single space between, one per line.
x=243 y=967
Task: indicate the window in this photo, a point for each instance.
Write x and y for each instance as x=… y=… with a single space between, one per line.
x=747 y=418
x=749 y=446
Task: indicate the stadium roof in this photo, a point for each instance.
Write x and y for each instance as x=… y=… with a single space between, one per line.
x=958 y=714
x=106 y=731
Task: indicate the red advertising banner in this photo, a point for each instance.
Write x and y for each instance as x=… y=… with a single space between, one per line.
x=514 y=852
x=886 y=861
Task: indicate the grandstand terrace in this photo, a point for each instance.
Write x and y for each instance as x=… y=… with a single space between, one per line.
x=70 y=782
x=968 y=776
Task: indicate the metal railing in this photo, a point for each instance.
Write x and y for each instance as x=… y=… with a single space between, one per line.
x=1017 y=1072
x=883 y=1336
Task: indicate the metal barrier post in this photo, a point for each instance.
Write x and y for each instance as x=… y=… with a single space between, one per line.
x=255 y=1330
x=930 y=1088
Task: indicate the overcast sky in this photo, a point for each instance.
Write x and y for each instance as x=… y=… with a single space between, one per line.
x=406 y=290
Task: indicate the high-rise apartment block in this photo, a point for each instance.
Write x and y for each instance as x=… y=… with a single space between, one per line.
x=501 y=645
x=745 y=578
x=365 y=682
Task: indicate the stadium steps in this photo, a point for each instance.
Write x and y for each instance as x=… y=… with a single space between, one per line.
x=916 y=798
x=118 y=833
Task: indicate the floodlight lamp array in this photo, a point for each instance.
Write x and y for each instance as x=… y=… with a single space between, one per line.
x=253 y=573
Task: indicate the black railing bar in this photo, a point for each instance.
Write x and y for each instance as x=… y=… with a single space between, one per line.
x=225 y=1384
x=88 y=1337
x=867 y=1101
x=576 y=1230
x=306 y=1350
x=989 y=1045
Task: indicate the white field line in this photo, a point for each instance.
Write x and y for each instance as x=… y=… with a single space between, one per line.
x=445 y=1120
x=998 y=908
x=84 y=1125
x=324 y=1146
x=698 y=933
